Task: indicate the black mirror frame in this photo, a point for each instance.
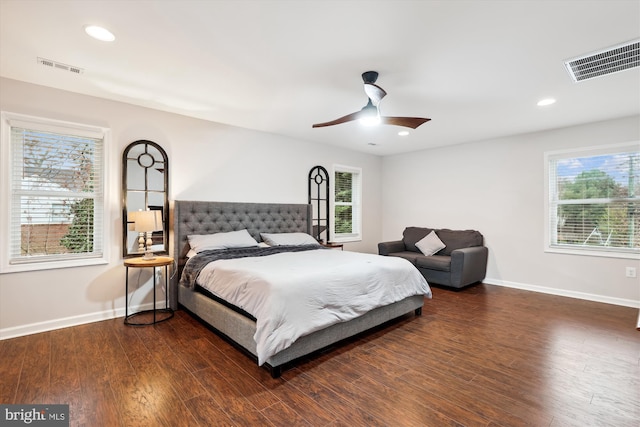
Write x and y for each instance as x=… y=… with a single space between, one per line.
x=125 y=188
x=318 y=180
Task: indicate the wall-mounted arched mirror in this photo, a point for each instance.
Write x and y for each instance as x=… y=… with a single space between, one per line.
x=145 y=186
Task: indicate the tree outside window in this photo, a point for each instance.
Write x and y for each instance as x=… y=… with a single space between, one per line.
x=343 y=202
x=595 y=201
x=347 y=185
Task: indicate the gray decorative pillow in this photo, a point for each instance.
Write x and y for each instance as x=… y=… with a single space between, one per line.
x=295 y=239
x=430 y=244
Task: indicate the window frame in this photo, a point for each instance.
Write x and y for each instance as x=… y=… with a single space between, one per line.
x=356 y=203
x=550 y=211
x=9 y=120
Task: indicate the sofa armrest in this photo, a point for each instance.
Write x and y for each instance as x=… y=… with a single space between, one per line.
x=468 y=265
x=386 y=248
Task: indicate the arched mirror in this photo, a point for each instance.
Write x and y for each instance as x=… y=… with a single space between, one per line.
x=145 y=187
x=319 y=200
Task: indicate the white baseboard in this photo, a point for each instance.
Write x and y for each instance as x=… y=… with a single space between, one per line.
x=66 y=322
x=564 y=293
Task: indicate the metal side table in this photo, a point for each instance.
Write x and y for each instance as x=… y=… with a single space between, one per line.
x=159 y=314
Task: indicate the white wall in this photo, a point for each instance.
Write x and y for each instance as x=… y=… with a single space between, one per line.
x=497 y=187
x=494 y=186
x=207 y=161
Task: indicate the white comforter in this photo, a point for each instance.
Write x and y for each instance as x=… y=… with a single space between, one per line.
x=296 y=293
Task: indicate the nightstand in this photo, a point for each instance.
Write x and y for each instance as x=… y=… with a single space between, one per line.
x=333 y=245
x=156 y=314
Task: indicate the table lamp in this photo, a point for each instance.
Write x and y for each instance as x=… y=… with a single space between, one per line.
x=147 y=222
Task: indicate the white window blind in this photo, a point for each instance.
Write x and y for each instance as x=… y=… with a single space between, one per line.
x=57 y=190
x=347 y=185
x=594 y=200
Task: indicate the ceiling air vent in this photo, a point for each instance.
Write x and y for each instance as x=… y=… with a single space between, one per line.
x=603 y=62
x=60 y=66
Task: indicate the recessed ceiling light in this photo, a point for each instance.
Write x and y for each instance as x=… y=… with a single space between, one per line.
x=403 y=133
x=546 y=101
x=99 y=33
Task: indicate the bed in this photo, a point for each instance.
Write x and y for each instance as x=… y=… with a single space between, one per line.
x=205 y=218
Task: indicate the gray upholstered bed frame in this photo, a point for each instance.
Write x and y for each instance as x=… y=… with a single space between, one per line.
x=197 y=217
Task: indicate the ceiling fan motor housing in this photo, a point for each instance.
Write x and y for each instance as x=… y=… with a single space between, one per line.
x=369 y=76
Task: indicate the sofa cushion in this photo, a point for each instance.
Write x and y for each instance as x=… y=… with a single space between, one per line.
x=411 y=256
x=458 y=239
x=434 y=262
x=413 y=235
x=430 y=244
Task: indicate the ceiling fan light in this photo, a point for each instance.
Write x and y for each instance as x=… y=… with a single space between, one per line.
x=370 y=120
x=369 y=115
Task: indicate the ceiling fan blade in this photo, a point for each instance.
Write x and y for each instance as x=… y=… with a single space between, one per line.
x=374 y=92
x=409 y=122
x=344 y=119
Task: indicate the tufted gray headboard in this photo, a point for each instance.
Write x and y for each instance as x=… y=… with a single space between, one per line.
x=196 y=217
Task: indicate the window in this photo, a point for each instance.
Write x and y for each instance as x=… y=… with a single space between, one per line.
x=53 y=194
x=347 y=212
x=594 y=201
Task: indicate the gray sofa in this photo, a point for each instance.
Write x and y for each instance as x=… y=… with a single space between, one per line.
x=462 y=262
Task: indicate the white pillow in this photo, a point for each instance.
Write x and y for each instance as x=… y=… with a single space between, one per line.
x=295 y=239
x=231 y=239
x=430 y=244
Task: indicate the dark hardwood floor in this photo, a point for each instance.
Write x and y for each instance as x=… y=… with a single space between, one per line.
x=484 y=356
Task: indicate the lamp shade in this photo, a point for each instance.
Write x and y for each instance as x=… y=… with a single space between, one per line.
x=147 y=221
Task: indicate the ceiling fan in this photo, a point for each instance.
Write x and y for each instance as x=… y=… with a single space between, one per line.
x=370 y=113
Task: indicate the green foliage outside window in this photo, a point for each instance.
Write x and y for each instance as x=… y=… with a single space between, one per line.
x=343 y=194
x=606 y=211
x=79 y=238
x=344 y=219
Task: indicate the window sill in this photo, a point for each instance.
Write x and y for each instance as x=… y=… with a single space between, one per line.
x=36 y=266
x=593 y=252
x=346 y=239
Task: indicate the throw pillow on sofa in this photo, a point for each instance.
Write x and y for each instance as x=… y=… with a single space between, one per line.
x=430 y=244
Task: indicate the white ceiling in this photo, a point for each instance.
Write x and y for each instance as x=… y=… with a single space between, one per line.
x=476 y=68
